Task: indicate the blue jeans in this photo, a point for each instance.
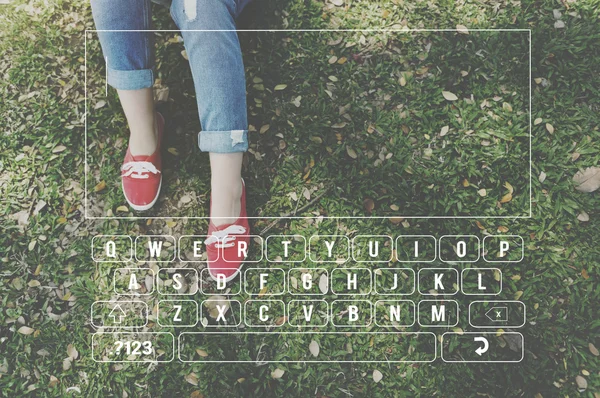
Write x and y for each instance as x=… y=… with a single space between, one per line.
x=211 y=42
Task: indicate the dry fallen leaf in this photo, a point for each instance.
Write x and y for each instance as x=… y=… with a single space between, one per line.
x=542 y=177
x=583 y=217
x=280 y=87
x=449 y=96
x=351 y=152
x=537 y=121
x=444 y=131
x=192 y=378
x=59 y=148
x=264 y=128
x=369 y=205
x=482 y=192
x=587 y=180
x=550 y=128
x=462 y=29
x=581 y=382
x=323 y=284
x=402 y=81
x=314 y=348
x=25 y=330
x=593 y=349
x=72 y=352
x=202 y=353
x=506 y=198
x=277 y=373
x=377 y=376
x=100 y=186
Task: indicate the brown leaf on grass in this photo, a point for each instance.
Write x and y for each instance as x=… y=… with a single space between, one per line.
x=100 y=186
x=593 y=349
x=449 y=96
x=351 y=152
x=192 y=378
x=462 y=29
x=369 y=205
x=277 y=373
x=587 y=180
x=583 y=217
x=25 y=330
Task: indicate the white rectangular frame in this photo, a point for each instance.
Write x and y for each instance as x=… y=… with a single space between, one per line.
x=85 y=203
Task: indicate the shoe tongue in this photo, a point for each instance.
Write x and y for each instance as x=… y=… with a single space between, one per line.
x=140 y=158
x=222 y=227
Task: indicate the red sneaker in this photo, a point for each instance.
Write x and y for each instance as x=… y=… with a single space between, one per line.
x=227 y=245
x=141 y=176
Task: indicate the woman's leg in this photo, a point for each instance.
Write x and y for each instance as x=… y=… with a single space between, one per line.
x=129 y=57
x=123 y=28
x=216 y=62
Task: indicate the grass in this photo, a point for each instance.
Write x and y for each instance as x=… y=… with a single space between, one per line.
x=49 y=281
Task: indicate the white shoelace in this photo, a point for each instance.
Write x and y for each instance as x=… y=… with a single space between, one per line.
x=223 y=238
x=139 y=169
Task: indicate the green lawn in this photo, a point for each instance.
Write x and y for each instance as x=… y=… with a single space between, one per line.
x=350 y=124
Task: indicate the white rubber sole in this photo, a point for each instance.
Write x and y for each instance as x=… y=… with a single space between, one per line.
x=144 y=207
x=230 y=278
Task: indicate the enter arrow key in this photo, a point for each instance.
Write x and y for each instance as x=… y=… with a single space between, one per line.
x=482 y=347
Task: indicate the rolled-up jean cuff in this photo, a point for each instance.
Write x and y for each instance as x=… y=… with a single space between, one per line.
x=227 y=141
x=130 y=79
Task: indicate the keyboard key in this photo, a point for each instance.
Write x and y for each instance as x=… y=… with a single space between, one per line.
x=416 y=248
x=503 y=248
x=438 y=281
x=308 y=281
x=286 y=248
x=219 y=311
x=437 y=313
x=264 y=313
x=372 y=248
x=336 y=347
x=351 y=281
x=112 y=248
x=308 y=313
x=133 y=347
x=210 y=286
x=253 y=252
x=155 y=248
x=394 y=281
x=177 y=281
x=459 y=248
x=121 y=314
x=351 y=313
x=394 y=313
x=329 y=248
x=192 y=248
x=497 y=314
x=482 y=347
x=179 y=313
x=264 y=281
x=481 y=281
x=135 y=281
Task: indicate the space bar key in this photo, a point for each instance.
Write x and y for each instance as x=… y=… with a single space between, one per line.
x=290 y=347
